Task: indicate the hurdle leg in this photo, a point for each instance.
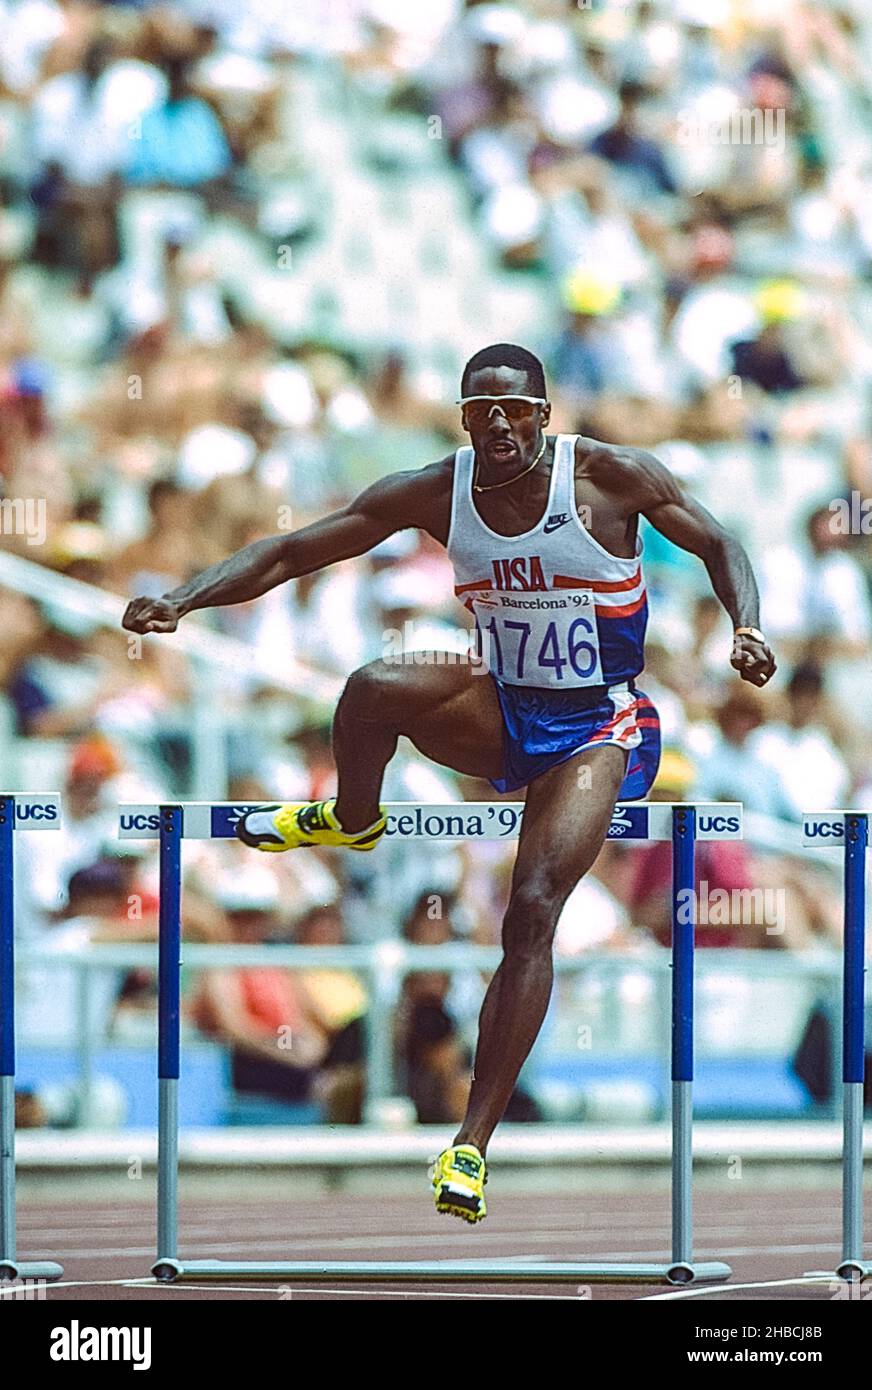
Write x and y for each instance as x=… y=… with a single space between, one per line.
x=683 y=1270
x=10 y=1266
x=683 y=895
x=853 y=1266
x=167 y=1266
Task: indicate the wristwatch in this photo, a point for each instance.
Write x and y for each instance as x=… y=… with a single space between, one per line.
x=750 y=632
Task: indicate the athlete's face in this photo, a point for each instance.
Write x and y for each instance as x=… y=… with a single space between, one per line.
x=504 y=431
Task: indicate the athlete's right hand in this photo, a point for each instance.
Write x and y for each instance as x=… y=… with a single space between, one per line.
x=151 y=615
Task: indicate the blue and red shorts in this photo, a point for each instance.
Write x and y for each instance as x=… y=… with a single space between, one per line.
x=542 y=728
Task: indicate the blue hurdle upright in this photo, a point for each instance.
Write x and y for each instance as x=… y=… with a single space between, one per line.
x=17 y=812
x=683 y=824
x=849 y=830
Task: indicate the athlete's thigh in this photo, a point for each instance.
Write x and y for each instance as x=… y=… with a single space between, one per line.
x=453 y=715
x=567 y=814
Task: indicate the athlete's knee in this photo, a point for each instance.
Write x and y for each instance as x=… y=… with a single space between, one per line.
x=532 y=915
x=370 y=693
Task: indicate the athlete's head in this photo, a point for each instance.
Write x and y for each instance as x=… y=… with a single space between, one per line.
x=505 y=424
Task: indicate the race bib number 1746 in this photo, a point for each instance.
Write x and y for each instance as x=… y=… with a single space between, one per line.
x=540 y=639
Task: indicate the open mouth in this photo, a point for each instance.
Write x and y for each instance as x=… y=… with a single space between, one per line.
x=501 y=448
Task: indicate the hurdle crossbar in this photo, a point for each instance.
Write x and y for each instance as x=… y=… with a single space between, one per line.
x=684 y=824
x=17 y=812
x=849 y=831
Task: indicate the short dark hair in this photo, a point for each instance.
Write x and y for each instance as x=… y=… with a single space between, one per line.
x=507 y=355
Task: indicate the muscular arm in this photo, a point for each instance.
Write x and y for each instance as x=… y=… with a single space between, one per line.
x=391 y=504
x=653 y=492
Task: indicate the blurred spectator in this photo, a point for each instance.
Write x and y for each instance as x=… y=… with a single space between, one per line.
x=815 y=590
x=723 y=867
x=765 y=361
x=591 y=917
x=162 y=559
x=58 y=688
x=20 y=632
x=338 y=1000
x=180 y=142
x=82 y=123
x=589 y=228
x=586 y=359
x=624 y=145
x=95 y=897
x=260 y=1012
x=433 y=1060
x=606 y=366
x=89 y=822
x=464 y=106
x=714 y=305
x=730 y=770
x=813 y=1059
x=708 y=665
x=433 y=1057
x=811 y=770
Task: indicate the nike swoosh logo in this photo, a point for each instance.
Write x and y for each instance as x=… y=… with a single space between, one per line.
x=554 y=523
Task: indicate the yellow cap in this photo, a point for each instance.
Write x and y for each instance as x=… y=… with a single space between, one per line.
x=779 y=301
x=675 y=774
x=79 y=540
x=584 y=293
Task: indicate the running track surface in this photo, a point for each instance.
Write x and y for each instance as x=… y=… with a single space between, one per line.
x=770 y=1238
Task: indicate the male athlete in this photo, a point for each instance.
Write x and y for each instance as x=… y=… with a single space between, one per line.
x=542 y=532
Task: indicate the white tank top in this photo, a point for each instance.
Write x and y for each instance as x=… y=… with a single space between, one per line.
x=553 y=608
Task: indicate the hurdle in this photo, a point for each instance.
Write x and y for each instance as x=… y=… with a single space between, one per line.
x=849 y=831
x=684 y=824
x=17 y=812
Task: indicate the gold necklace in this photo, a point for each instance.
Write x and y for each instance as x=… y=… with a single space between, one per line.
x=489 y=487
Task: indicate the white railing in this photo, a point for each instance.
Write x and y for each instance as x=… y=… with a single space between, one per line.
x=383 y=965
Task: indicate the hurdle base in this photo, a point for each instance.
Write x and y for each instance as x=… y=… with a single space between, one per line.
x=46 y=1270
x=429 y=1271
x=852 y=1271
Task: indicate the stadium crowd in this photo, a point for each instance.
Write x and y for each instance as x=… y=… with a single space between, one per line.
x=681 y=189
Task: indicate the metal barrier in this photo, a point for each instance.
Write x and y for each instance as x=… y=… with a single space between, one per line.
x=850 y=829
x=681 y=823
x=16 y=813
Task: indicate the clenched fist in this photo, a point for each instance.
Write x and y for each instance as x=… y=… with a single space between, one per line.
x=151 y=615
x=752 y=659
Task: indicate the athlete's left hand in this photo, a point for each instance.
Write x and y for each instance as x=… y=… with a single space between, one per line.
x=752 y=659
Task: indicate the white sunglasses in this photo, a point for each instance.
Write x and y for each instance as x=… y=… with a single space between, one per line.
x=514 y=408
x=498 y=400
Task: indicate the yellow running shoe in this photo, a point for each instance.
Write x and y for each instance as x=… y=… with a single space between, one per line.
x=303 y=823
x=458 y=1177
